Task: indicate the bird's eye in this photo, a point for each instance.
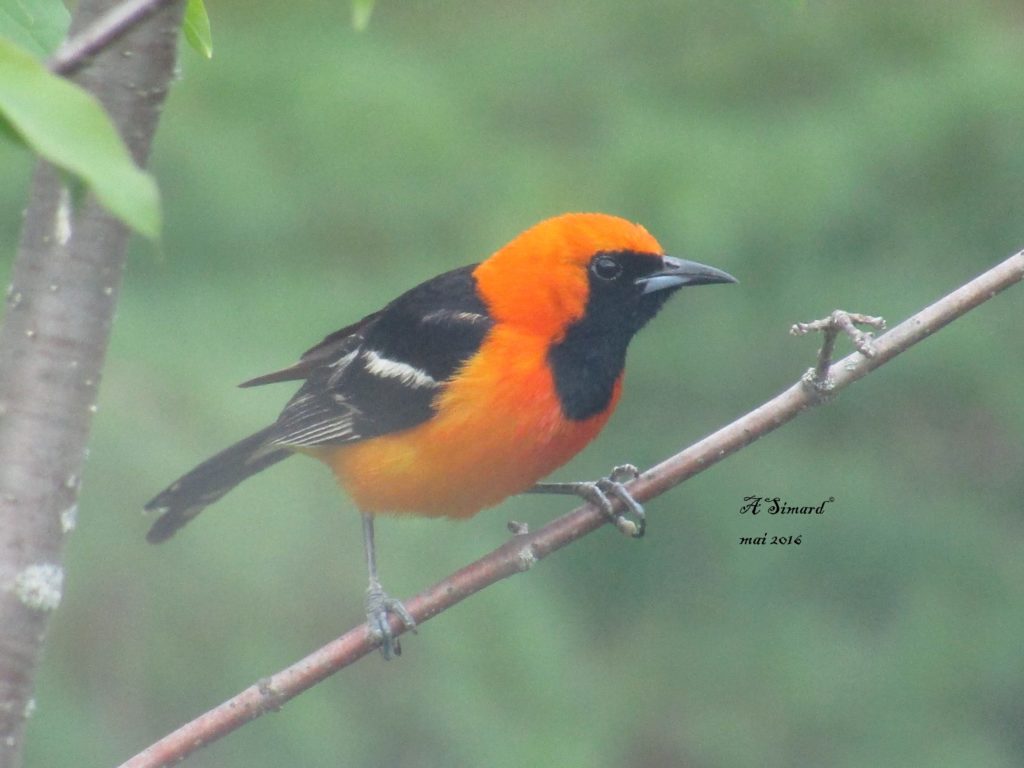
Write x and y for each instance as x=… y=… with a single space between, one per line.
x=606 y=268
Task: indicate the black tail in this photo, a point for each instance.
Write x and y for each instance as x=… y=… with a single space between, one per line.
x=191 y=493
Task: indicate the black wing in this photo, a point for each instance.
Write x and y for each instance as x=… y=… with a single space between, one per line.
x=332 y=347
x=383 y=374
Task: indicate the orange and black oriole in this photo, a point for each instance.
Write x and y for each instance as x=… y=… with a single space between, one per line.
x=466 y=389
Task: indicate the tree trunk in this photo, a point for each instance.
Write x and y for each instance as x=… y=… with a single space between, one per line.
x=60 y=306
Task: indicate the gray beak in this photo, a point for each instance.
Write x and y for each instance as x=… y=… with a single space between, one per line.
x=676 y=273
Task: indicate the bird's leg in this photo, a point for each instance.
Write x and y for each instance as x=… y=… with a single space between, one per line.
x=378 y=604
x=600 y=493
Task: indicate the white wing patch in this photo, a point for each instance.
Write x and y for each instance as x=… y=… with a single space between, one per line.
x=315 y=434
x=408 y=375
x=339 y=366
x=317 y=424
x=450 y=315
x=342 y=362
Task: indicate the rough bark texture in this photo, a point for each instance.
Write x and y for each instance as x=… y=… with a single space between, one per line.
x=60 y=306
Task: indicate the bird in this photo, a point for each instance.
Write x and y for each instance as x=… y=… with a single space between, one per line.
x=467 y=389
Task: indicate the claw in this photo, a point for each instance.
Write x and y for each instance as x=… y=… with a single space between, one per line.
x=613 y=485
x=599 y=492
x=378 y=606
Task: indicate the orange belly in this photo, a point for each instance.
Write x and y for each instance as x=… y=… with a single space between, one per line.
x=498 y=429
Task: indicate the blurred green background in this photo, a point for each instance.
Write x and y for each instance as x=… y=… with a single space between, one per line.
x=861 y=155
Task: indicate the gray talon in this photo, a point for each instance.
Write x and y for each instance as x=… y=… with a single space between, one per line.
x=598 y=493
x=378 y=606
x=611 y=487
x=624 y=473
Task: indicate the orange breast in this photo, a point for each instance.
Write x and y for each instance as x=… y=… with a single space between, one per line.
x=498 y=430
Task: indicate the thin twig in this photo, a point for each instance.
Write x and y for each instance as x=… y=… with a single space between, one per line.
x=75 y=51
x=830 y=327
x=522 y=551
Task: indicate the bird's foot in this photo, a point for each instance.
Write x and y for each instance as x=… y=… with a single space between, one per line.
x=378 y=606
x=633 y=520
x=601 y=492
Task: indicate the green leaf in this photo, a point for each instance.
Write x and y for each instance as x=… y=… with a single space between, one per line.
x=38 y=25
x=361 y=12
x=197 y=28
x=68 y=127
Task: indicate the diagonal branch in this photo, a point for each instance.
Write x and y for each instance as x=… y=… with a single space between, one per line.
x=522 y=551
x=74 y=52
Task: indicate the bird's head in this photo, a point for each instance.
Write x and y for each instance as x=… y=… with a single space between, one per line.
x=585 y=265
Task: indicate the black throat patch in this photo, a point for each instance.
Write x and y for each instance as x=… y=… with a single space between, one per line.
x=591 y=356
